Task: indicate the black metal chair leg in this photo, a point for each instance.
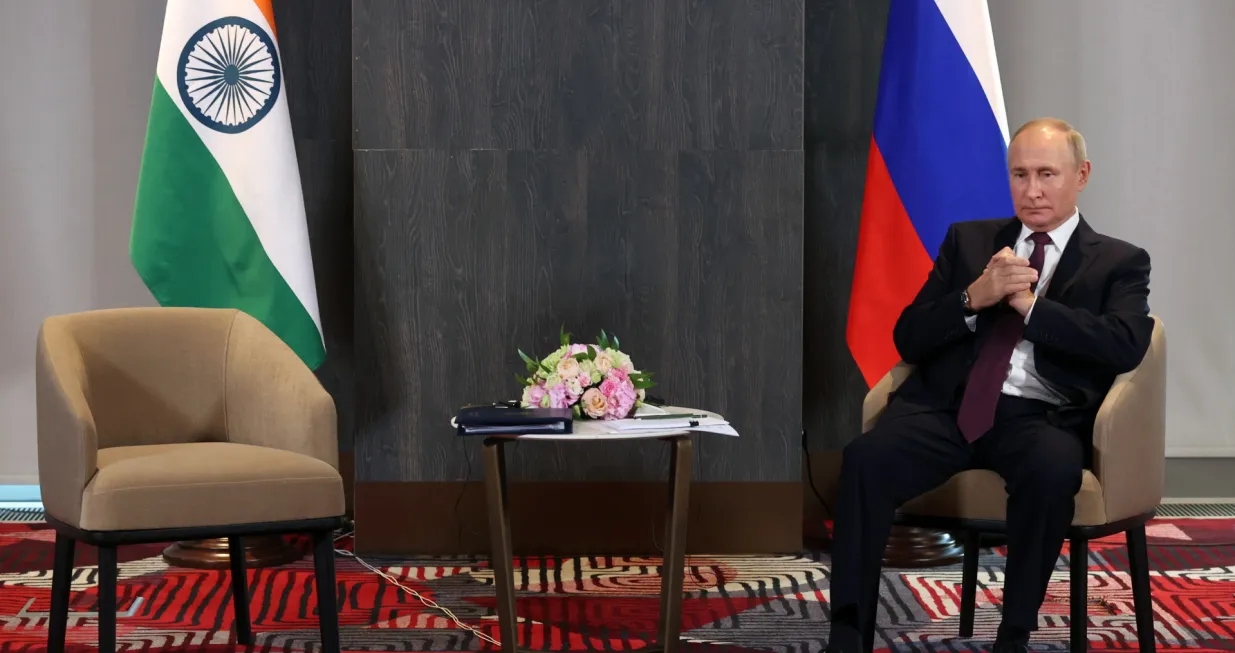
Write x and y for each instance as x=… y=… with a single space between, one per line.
x=240 y=591
x=327 y=608
x=969 y=581
x=1142 y=598
x=108 y=569
x=61 y=582
x=1079 y=575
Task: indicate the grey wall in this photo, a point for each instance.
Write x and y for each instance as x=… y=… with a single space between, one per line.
x=1148 y=82
x=72 y=124
x=632 y=165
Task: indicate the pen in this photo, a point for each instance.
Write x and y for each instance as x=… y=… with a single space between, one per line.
x=673 y=416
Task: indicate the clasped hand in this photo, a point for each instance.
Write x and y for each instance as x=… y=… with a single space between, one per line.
x=1006 y=277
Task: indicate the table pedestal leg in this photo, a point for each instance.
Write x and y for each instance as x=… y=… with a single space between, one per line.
x=674 y=567
x=499 y=534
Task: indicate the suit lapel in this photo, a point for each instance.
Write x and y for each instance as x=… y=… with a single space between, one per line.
x=1006 y=237
x=1077 y=256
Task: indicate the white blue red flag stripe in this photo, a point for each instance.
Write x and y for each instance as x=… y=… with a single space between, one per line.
x=938 y=155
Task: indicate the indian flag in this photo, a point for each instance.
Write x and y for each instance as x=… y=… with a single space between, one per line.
x=219 y=219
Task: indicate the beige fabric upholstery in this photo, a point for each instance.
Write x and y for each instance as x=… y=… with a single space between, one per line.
x=1129 y=451
x=206 y=484
x=171 y=417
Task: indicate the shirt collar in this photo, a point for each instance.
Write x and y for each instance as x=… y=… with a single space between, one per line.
x=1059 y=235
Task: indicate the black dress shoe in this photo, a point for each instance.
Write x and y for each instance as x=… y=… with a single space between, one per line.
x=844 y=639
x=1010 y=639
x=1009 y=646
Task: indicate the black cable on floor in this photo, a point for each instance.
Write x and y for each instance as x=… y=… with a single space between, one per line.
x=810 y=476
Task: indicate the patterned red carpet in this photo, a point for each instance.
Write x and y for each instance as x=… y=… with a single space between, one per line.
x=735 y=603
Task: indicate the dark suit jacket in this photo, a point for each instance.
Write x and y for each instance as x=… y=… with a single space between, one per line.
x=1092 y=324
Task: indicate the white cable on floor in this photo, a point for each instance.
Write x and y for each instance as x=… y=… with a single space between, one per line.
x=429 y=603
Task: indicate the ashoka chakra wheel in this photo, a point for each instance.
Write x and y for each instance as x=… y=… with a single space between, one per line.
x=228 y=74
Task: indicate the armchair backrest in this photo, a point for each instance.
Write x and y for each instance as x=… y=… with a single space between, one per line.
x=145 y=375
x=1129 y=436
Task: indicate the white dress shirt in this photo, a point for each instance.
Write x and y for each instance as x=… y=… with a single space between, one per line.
x=1023 y=380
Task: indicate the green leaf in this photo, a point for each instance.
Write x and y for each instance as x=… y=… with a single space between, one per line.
x=591 y=353
x=581 y=356
x=532 y=364
x=616 y=344
x=563 y=337
x=523 y=381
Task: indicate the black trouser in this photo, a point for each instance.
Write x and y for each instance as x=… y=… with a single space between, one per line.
x=912 y=450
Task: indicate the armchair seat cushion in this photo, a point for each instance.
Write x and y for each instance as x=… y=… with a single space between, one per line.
x=980 y=494
x=207 y=484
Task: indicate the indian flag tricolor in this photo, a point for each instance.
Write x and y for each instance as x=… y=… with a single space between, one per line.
x=219 y=219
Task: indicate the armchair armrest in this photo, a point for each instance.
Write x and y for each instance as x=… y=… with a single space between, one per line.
x=273 y=399
x=68 y=441
x=1129 y=438
x=877 y=398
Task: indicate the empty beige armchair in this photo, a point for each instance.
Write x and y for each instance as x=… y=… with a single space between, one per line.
x=1120 y=494
x=166 y=424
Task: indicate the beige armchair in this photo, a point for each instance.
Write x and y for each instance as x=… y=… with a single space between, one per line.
x=166 y=424
x=1120 y=494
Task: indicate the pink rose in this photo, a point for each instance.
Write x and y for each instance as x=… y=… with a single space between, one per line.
x=568 y=367
x=594 y=403
x=603 y=362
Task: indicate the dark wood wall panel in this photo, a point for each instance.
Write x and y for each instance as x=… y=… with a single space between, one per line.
x=692 y=259
x=594 y=74
x=315 y=45
x=844 y=43
x=633 y=165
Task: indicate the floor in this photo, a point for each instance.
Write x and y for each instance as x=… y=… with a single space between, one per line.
x=734 y=603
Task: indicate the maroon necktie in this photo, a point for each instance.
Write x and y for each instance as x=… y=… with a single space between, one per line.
x=986 y=377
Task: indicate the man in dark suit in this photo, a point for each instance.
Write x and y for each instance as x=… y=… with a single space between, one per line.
x=1016 y=335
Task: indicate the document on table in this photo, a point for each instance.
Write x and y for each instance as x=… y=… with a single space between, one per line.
x=618 y=429
x=702 y=424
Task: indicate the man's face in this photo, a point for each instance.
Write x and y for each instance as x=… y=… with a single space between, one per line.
x=1044 y=177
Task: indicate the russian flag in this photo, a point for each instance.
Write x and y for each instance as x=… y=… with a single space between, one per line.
x=938 y=155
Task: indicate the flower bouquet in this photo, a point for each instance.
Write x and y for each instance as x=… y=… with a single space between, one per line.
x=595 y=381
